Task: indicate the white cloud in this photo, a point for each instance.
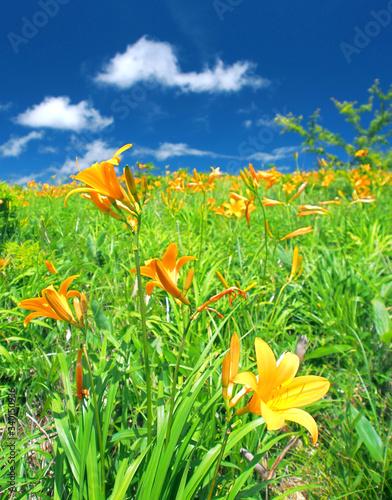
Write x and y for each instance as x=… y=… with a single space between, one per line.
x=6 y=107
x=87 y=154
x=58 y=113
x=148 y=60
x=247 y=123
x=170 y=150
x=47 y=149
x=275 y=155
x=267 y=122
x=96 y=151
x=16 y=145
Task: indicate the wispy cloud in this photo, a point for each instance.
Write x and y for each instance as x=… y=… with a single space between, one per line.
x=47 y=149
x=6 y=107
x=275 y=155
x=96 y=151
x=248 y=110
x=16 y=145
x=248 y=123
x=87 y=155
x=267 y=122
x=170 y=150
x=59 y=113
x=152 y=60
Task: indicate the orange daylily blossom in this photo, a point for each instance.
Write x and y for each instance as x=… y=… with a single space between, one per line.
x=165 y=272
x=298 y=232
x=235 y=207
x=101 y=178
x=102 y=203
x=361 y=153
x=53 y=304
x=277 y=394
x=230 y=367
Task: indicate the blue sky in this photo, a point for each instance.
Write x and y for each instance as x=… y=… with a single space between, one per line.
x=189 y=84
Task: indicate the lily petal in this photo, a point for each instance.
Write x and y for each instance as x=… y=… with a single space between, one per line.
x=287 y=368
x=303 y=418
x=64 y=286
x=246 y=378
x=300 y=391
x=274 y=420
x=266 y=367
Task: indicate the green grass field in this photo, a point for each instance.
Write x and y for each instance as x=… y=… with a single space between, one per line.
x=155 y=424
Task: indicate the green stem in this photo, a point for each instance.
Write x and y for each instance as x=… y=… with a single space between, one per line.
x=265 y=236
x=99 y=427
x=144 y=333
x=201 y=226
x=174 y=388
x=227 y=432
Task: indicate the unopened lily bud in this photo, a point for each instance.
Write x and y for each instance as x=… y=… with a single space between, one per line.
x=188 y=281
x=130 y=182
x=78 y=310
x=222 y=279
x=245 y=177
x=267 y=228
x=225 y=375
x=83 y=303
x=50 y=267
x=252 y=285
x=79 y=377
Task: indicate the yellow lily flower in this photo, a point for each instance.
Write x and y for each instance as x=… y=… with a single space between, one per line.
x=277 y=393
x=165 y=272
x=52 y=304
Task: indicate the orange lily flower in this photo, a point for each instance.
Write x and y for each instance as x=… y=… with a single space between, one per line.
x=361 y=153
x=52 y=304
x=101 y=178
x=277 y=393
x=298 y=232
x=165 y=272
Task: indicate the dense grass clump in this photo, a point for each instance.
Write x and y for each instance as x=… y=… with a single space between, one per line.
x=124 y=399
